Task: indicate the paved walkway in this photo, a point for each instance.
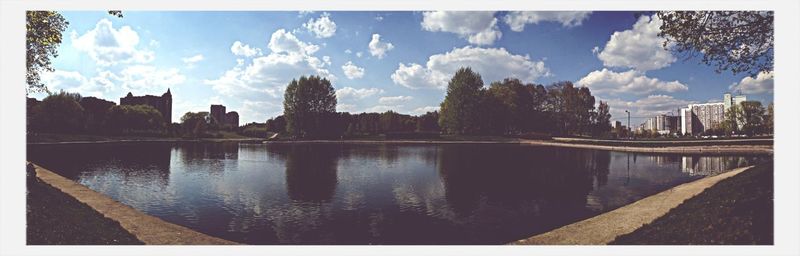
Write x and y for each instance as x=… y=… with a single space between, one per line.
x=604 y=228
x=727 y=149
x=148 y=229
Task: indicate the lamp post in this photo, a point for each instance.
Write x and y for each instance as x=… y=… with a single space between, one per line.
x=629 y=122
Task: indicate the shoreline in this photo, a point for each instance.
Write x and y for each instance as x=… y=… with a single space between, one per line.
x=605 y=228
x=146 y=228
x=721 y=148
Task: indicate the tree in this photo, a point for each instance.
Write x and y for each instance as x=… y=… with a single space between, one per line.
x=128 y=119
x=42 y=37
x=517 y=104
x=195 y=124
x=95 y=110
x=428 y=122
x=739 y=41
x=731 y=123
x=769 y=119
x=752 y=117
x=307 y=103
x=602 y=122
x=60 y=113
x=277 y=124
x=460 y=108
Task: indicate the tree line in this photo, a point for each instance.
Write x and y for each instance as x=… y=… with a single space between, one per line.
x=506 y=107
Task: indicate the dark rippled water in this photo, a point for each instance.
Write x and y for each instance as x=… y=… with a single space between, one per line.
x=372 y=194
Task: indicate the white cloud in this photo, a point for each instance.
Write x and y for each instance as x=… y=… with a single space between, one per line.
x=394 y=100
x=762 y=83
x=108 y=46
x=378 y=48
x=240 y=49
x=345 y=108
x=493 y=64
x=301 y=14
x=425 y=109
x=71 y=81
x=323 y=27
x=351 y=94
x=268 y=75
x=283 y=41
x=379 y=18
x=348 y=51
x=359 y=54
x=478 y=27
x=351 y=71
x=639 y=48
x=608 y=82
x=645 y=107
x=382 y=108
x=518 y=19
x=145 y=79
x=192 y=60
x=258 y=111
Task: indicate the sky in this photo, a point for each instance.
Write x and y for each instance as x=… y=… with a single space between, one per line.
x=379 y=61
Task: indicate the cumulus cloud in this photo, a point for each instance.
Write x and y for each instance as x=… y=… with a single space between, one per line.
x=108 y=46
x=240 y=49
x=258 y=110
x=518 y=19
x=639 y=48
x=645 y=107
x=762 y=83
x=425 y=109
x=71 y=81
x=289 y=59
x=190 y=61
x=351 y=71
x=394 y=100
x=148 y=79
x=494 y=64
x=350 y=93
x=322 y=27
x=608 y=82
x=478 y=27
x=378 y=48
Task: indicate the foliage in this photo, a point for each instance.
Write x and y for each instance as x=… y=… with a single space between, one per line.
x=256 y=130
x=128 y=119
x=308 y=103
x=602 y=120
x=60 y=113
x=752 y=117
x=730 y=124
x=428 y=122
x=460 y=109
x=769 y=119
x=42 y=37
x=195 y=124
x=277 y=124
x=739 y=41
x=95 y=110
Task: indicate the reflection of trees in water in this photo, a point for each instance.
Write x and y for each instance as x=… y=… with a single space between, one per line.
x=128 y=159
x=536 y=187
x=206 y=150
x=311 y=172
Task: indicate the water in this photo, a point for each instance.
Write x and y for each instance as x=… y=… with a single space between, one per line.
x=372 y=194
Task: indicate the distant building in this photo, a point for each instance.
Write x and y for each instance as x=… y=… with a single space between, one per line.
x=730 y=101
x=686 y=121
x=706 y=116
x=232 y=119
x=218 y=114
x=163 y=104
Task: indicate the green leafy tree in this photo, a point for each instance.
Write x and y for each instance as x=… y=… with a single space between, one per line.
x=769 y=119
x=42 y=37
x=307 y=104
x=134 y=119
x=460 y=111
x=752 y=117
x=517 y=104
x=730 y=124
x=428 y=122
x=195 y=124
x=739 y=41
x=58 y=113
x=602 y=122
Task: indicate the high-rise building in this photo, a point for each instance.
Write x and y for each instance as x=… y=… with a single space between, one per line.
x=686 y=121
x=730 y=100
x=163 y=104
x=218 y=114
x=706 y=116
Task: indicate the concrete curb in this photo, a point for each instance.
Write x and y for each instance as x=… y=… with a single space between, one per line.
x=148 y=229
x=604 y=228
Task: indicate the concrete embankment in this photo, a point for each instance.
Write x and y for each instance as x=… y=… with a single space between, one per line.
x=604 y=228
x=705 y=149
x=148 y=229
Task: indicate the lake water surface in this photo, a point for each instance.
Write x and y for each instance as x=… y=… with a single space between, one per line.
x=372 y=194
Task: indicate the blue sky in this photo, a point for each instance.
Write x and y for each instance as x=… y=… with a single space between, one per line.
x=379 y=60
